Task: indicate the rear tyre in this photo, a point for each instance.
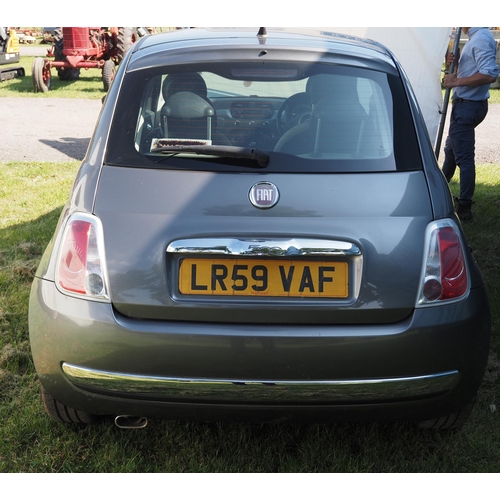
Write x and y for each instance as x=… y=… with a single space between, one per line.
x=454 y=420
x=108 y=74
x=40 y=75
x=125 y=40
x=61 y=413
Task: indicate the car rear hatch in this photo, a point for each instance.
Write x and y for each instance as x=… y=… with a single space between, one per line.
x=191 y=246
x=324 y=225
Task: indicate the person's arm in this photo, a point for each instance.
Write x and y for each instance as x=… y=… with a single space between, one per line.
x=474 y=80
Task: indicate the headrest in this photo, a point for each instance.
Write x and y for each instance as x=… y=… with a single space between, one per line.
x=188 y=106
x=331 y=86
x=187 y=82
x=338 y=109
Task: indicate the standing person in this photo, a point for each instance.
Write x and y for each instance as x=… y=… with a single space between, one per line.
x=476 y=70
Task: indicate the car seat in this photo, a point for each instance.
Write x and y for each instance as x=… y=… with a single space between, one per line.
x=336 y=123
x=187 y=112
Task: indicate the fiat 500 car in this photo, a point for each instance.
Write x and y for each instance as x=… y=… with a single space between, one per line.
x=259 y=231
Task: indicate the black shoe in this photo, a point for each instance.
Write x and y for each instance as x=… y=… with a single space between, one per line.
x=464 y=210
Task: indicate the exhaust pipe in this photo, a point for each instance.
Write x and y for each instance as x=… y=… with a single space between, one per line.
x=130 y=422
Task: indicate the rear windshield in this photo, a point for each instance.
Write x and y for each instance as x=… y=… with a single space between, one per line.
x=314 y=117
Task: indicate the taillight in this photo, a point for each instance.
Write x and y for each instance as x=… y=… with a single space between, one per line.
x=81 y=266
x=444 y=274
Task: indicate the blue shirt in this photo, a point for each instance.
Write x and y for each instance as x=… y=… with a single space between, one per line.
x=478 y=56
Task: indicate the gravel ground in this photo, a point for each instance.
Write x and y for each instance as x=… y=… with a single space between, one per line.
x=46 y=129
x=54 y=129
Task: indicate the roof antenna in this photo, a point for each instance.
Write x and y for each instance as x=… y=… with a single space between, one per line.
x=262 y=36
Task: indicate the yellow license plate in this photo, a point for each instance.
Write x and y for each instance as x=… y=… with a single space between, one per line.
x=270 y=278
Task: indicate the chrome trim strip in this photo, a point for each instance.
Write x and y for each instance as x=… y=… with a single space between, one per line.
x=279 y=247
x=278 y=391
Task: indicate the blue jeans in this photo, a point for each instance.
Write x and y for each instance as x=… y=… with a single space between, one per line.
x=460 y=145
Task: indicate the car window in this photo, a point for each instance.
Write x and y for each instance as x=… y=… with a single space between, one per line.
x=323 y=117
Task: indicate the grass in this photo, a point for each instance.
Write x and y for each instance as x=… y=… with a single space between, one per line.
x=494 y=96
x=88 y=86
x=31 y=197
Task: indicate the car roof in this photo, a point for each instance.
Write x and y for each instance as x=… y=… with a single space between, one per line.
x=206 y=44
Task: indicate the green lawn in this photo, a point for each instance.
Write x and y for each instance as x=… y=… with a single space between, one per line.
x=31 y=197
x=88 y=86
x=494 y=96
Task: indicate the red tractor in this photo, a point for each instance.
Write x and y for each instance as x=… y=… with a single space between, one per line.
x=76 y=48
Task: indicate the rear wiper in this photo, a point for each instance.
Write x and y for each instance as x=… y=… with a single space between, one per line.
x=260 y=157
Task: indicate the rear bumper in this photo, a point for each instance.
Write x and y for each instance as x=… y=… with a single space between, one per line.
x=259 y=391
x=92 y=359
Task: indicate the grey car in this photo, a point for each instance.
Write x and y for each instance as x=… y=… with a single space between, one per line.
x=259 y=231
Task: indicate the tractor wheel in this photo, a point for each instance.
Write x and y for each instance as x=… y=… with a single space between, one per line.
x=125 y=40
x=65 y=74
x=108 y=74
x=40 y=75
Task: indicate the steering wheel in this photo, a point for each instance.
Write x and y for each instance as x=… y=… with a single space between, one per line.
x=295 y=110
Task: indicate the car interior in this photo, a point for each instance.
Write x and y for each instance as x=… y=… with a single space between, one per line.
x=323 y=115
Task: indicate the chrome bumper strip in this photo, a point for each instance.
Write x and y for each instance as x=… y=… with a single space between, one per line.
x=273 y=391
x=294 y=247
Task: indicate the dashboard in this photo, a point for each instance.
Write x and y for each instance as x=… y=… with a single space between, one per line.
x=248 y=122
x=258 y=122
